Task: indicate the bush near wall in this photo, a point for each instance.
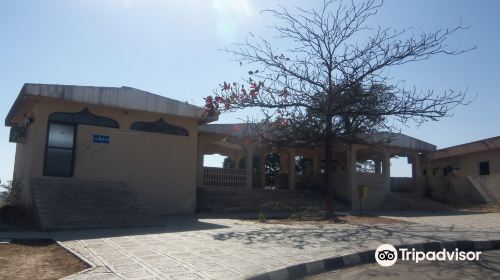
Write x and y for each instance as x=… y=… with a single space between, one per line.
x=10 y=210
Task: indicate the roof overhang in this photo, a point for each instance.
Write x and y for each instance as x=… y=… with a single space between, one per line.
x=467 y=148
x=396 y=140
x=117 y=97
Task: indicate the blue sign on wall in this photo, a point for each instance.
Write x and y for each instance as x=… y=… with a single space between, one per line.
x=100 y=139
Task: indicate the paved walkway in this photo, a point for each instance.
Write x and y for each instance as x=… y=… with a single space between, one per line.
x=188 y=248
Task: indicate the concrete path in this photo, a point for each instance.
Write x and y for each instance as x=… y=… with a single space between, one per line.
x=191 y=248
x=488 y=267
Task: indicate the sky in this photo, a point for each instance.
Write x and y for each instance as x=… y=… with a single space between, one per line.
x=172 y=48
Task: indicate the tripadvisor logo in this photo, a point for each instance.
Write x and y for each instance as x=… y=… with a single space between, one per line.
x=387 y=255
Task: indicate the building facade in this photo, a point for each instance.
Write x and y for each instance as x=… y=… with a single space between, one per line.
x=465 y=173
x=153 y=146
x=145 y=141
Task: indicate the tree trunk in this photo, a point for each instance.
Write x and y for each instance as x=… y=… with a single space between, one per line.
x=327 y=188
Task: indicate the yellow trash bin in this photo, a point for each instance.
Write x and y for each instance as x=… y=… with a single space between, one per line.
x=362 y=191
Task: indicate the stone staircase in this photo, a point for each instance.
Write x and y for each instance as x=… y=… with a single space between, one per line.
x=412 y=202
x=73 y=204
x=255 y=200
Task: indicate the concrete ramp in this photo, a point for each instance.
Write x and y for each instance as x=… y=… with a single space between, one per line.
x=488 y=190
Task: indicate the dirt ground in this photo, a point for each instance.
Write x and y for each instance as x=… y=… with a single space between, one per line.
x=344 y=218
x=37 y=259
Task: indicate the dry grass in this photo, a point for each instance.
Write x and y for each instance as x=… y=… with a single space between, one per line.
x=480 y=208
x=37 y=259
x=343 y=218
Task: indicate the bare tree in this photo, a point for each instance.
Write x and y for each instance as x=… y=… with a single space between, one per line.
x=331 y=80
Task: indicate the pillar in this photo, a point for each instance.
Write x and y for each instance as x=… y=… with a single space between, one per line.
x=249 y=166
x=378 y=166
x=282 y=182
x=316 y=163
x=351 y=176
x=262 y=170
x=237 y=160
x=291 y=170
x=316 y=169
x=386 y=170
x=417 y=174
x=199 y=166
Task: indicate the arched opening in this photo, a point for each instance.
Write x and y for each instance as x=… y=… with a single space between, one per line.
x=215 y=160
x=401 y=167
x=303 y=165
x=401 y=174
x=271 y=170
x=369 y=161
x=255 y=164
x=304 y=173
x=365 y=166
x=229 y=163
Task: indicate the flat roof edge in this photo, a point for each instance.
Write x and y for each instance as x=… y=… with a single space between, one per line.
x=116 y=97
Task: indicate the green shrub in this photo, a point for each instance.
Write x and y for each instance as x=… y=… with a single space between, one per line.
x=262 y=217
x=5 y=190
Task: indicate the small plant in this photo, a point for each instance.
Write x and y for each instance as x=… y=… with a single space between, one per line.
x=10 y=192
x=262 y=217
x=11 y=211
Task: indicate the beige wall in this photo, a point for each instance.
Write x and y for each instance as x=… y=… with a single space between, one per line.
x=468 y=163
x=26 y=151
x=466 y=185
x=161 y=167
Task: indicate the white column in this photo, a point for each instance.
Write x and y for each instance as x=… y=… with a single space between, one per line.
x=291 y=170
x=249 y=166
x=351 y=176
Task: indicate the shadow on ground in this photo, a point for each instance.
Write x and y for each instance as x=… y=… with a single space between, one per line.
x=317 y=236
x=172 y=224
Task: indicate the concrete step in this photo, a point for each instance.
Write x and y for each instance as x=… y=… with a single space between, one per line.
x=63 y=204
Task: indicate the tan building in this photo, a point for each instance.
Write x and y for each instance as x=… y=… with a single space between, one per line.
x=238 y=141
x=465 y=173
x=87 y=153
x=77 y=134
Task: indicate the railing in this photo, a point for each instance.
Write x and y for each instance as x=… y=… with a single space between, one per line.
x=224 y=178
x=373 y=181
